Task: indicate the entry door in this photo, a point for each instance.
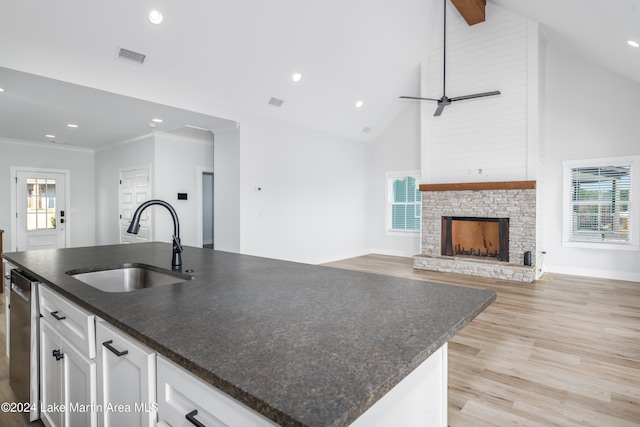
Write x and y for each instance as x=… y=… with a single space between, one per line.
x=40 y=210
x=135 y=188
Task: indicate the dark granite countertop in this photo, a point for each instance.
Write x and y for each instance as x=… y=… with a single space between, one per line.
x=304 y=345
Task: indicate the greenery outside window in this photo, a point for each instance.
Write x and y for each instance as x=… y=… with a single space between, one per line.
x=404 y=202
x=601 y=209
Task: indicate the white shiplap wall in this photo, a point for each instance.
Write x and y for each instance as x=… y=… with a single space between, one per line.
x=483 y=139
x=541 y=180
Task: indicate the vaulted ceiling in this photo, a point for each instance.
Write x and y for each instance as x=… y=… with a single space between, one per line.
x=242 y=53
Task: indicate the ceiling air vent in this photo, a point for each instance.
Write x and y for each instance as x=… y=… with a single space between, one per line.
x=366 y=129
x=131 y=56
x=276 y=102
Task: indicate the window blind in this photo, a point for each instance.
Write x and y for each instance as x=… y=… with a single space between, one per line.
x=405 y=203
x=600 y=204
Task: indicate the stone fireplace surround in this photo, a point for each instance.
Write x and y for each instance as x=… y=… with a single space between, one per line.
x=515 y=200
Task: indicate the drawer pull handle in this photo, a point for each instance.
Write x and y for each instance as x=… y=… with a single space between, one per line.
x=58 y=354
x=191 y=417
x=57 y=316
x=114 y=350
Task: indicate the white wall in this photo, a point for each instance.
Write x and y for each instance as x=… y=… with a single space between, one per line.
x=81 y=220
x=397 y=149
x=108 y=164
x=176 y=170
x=484 y=139
x=312 y=206
x=591 y=113
x=226 y=191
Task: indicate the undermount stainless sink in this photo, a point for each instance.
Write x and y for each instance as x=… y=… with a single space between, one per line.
x=127 y=277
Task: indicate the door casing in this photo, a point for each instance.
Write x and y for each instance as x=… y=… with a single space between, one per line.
x=14 y=206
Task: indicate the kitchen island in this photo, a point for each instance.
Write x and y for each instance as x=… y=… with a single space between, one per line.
x=300 y=344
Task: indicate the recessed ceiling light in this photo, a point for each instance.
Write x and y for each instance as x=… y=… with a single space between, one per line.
x=50 y=136
x=157 y=120
x=155 y=17
x=359 y=104
x=71 y=125
x=633 y=43
x=296 y=77
x=1 y=90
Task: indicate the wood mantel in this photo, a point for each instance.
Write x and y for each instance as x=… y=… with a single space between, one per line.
x=476 y=186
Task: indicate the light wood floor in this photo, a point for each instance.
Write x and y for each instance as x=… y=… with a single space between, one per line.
x=562 y=351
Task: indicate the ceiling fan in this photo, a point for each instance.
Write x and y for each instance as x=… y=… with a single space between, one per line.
x=445 y=100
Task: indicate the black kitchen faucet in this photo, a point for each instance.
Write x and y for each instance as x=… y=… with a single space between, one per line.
x=134 y=227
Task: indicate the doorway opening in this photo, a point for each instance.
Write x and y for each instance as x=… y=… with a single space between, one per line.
x=207 y=210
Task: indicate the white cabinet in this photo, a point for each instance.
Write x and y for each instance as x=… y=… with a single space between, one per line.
x=51 y=376
x=185 y=400
x=68 y=376
x=126 y=379
x=68 y=381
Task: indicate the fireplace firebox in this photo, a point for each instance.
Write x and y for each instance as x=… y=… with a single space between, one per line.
x=475 y=237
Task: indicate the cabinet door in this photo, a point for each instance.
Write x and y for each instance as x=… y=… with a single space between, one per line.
x=67 y=380
x=78 y=387
x=50 y=376
x=126 y=380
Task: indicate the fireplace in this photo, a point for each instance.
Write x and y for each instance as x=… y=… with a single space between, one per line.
x=500 y=217
x=475 y=237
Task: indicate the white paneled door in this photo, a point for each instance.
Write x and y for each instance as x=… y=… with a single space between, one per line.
x=134 y=189
x=41 y=214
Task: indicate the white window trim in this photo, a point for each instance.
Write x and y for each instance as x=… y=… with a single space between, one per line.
x=390 y=176
x=634 y=197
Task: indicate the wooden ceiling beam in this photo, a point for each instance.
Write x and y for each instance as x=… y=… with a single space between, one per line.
x=471 y=10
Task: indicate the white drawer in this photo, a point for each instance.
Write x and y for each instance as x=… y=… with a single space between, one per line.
x=180 y=393
x=75 y=324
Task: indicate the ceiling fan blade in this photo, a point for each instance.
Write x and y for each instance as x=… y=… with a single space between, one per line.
x=421 y=99
x=439 y=110
x=477 y=95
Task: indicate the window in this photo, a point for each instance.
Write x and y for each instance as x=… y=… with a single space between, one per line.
x=404 y=202
x=601 y=209
x=41 y=204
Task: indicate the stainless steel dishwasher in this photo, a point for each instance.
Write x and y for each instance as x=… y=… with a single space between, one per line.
x=24 y=377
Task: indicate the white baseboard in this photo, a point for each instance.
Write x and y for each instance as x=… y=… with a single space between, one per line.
x=354 y=254
x=338 y=257
x=392 y=252
x=592 y=272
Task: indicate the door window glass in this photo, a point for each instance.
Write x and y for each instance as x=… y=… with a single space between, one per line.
x=41 y=204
